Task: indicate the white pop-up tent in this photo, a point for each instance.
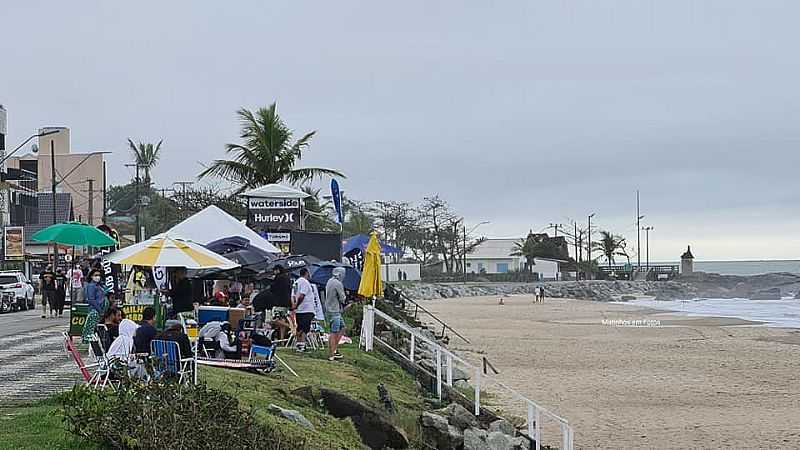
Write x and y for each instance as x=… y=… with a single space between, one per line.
x=212 y=224
x=275 y=191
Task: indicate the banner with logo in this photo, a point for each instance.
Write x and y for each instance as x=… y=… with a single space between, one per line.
x=160 y=277
x=14 y=242
x=274 y=213
x=336 y=194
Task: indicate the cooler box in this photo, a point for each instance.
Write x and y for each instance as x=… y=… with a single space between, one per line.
x=207 y=314
x=191 y=329
x=235 y=315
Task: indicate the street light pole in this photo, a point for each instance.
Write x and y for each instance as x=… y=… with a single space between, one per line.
x=647 y=244
x=639 y=217
x=53 y=176
x=589 y=246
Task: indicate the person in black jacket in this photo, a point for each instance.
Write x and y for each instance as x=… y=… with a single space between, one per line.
x=180 y=292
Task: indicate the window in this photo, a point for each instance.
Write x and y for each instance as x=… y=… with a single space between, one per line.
x=502 y=267
x=480 y=266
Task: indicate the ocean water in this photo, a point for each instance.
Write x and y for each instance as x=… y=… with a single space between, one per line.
x=745 y=267
x=774 y=313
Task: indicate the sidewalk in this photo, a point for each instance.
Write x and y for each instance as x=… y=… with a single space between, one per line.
x=33 y=364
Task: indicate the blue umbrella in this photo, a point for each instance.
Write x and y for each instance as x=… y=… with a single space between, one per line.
x=323 y=271
x=360 y=241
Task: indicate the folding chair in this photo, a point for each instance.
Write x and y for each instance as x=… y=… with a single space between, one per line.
x=70 y=348
x=167 y=355
x=102 y=374
x=313 y=338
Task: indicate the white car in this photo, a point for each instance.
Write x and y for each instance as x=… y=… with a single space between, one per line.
x=16 y=292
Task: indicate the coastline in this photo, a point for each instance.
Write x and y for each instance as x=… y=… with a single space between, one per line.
x=689 y=382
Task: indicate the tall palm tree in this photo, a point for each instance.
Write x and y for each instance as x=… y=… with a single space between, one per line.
x=266 y=155
x=146 y=156
x=610 y=245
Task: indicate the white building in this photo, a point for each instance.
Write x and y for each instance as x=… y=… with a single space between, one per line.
x=495 y=256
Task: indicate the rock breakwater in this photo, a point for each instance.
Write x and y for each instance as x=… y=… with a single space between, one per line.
x=587 y=290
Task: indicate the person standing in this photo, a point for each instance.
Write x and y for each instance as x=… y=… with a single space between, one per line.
x=334 y=305
x=61 y=292
x=75 y=276
x=47 y=286
x=304 y=307
x=180 y=292
x=96 y=298
x=541 y=294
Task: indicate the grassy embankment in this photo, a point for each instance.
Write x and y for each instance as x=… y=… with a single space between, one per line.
x=39 y=425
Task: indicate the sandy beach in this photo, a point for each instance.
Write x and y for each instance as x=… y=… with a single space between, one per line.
x=688 y=383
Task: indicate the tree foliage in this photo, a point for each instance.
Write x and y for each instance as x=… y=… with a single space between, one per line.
x=267 y=154
x=611 y=245
x=146 y=156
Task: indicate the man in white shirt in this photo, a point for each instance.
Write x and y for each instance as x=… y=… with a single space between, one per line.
x=304 y=307
x=75 y=276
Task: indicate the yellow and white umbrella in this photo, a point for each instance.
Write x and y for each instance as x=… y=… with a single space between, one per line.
x=166 y=251
x=371 y=285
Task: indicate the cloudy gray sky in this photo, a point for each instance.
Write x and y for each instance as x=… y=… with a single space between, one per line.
x=518 y=112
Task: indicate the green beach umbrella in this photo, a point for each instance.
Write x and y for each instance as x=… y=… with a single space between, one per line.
x=74 y=233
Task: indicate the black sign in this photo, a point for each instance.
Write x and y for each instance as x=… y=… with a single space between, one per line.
x=275 y=219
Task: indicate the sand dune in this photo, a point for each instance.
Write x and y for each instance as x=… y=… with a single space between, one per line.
x=690 y=383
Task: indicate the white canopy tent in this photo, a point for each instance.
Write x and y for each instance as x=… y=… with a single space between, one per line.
x=275 y=191
x=212 y=224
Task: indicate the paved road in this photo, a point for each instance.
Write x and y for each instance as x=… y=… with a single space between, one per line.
x=33 y=363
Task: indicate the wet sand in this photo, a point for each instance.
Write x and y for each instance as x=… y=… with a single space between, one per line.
x=688 y=383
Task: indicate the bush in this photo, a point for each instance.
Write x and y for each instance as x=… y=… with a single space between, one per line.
x=165 y=415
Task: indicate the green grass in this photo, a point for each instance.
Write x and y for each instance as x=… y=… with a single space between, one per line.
x=357 y=375
x=39 y=425
x=36 y=426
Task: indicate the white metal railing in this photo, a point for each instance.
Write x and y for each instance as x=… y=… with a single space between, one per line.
x=445 y=359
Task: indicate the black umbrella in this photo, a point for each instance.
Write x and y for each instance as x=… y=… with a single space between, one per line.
x=293 y=262
x=239 y=250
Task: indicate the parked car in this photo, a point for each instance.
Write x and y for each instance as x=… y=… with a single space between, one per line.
x=16 y=292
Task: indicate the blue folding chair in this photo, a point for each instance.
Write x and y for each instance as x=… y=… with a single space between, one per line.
x=168 y=361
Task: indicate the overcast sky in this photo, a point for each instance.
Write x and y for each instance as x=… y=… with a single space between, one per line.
x=522 y=113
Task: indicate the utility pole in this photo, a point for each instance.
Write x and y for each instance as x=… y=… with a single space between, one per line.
x=464 y=259
x=138 y=199
x=555 y=226
x=647 y=244
x=639 y=217
x=91 y=200
x=589 y=243
x=53 y=176
x=105 y=189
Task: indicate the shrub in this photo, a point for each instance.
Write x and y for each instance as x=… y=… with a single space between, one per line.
x=165 y=415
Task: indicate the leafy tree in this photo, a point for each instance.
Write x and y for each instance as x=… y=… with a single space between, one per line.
x=267 y=153
x=358 y=218
x=539 y=245
x=610 y=245
x=146 y=156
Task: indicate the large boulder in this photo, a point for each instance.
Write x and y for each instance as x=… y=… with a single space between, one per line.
x=377 y=433
x=290 y=414
x=497 y=440
x=459 y=416
x=437 y=430
x=375 y=429
x=766 y=294
x=503 y=426
x=475 y=439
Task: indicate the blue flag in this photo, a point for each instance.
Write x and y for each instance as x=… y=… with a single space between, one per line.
x=337 y=200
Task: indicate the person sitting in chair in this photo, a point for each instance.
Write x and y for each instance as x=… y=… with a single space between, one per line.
x=174 y=332
x=218 y=337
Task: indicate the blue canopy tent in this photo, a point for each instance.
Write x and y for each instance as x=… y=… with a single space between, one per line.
x=359 y=243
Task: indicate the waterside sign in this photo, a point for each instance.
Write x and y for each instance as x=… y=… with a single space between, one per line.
x=274 y=214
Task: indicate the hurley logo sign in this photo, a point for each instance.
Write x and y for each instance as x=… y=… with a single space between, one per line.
x=282 y=218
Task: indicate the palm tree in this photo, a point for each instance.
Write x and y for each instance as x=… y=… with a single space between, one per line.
x=146 y=156
x=610 y=245
x=317 y=211
x=266 y=155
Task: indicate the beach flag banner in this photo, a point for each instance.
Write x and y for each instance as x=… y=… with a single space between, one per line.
x=336 y=194
x=160 y=277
